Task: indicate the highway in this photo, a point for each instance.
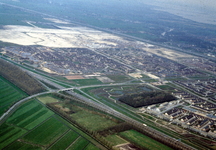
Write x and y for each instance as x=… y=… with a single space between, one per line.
x=96 y=104
x=91 y=102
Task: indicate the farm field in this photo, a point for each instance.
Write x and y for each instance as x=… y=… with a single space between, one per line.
x=29 y=115
x=79 y=144
x=9 y=94
x=87 y=81
x=33 y=126
x=90 y=146
x=47 y=99
x=65 y=141
x=9 y=133
x=93 y=144
x=143 y=141
x=22 y=146
x=116 y=140
x=46 y=133
x=92 y=121
x=3 y=109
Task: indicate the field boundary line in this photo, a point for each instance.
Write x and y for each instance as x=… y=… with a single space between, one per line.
x=26 y=133
x=36 y=126
x=58 y=139
x=86 y=145
x=78 y=129
x=73 y=142
x=14 y=87
x=68 y=126
x=18 y=127
x=16 y=106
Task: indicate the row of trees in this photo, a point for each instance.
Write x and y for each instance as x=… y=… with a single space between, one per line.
x=20 y=78
x=121 y=127
x=68 y=100
x=93 y=134
x=146 y=98
x=127 y=125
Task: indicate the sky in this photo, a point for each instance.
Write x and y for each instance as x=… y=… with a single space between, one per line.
x=197 y=10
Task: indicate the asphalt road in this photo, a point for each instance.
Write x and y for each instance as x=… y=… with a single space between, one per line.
x=15 y=106
x=95 y=103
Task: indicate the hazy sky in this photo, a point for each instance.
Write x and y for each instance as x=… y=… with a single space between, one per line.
x=198 y=10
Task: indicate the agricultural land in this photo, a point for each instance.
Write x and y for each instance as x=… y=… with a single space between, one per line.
x=81 y=86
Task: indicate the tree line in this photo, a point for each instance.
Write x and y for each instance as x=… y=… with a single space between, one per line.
x=121 y=127
x=20 y=78
x=146 y=98
x=90 y=132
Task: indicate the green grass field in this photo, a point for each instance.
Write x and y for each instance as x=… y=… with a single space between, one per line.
x=9 y=94
x=47 y=99
x=79 y=144
x=92 y=121
x=90 y=146
x=46 y=133
x=115 y=139
x=65 y=141
x=29 y=115
x=80 y=133
x=3 y=109
x=87 y=81
x=143 y=141
x=33 y=126
x=119 y=78
x=166 y=87
x=26 y=117
x=8 y=134
x=22 y=146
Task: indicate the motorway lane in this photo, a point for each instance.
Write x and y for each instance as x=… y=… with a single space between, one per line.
x=98 y=105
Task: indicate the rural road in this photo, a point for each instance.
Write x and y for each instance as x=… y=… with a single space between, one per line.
x=13 y=108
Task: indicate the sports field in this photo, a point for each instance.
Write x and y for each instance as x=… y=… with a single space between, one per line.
x=9 y=94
